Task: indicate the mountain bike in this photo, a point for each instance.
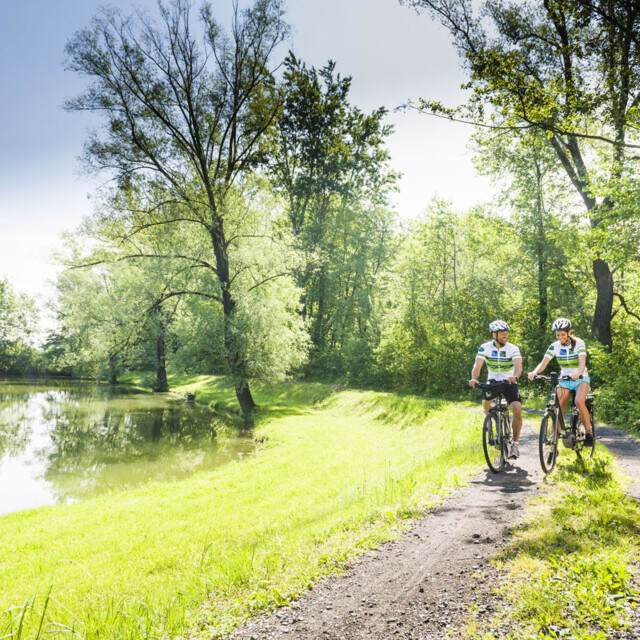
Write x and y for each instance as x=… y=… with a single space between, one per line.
x=497 y=434
x=553 y=426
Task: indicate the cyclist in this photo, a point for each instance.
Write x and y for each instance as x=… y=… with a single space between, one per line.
x=504 y=364
x=571 y=354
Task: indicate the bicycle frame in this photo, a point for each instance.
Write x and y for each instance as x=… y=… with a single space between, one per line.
x=554 y=410
x=498 y=411
x=573 y=435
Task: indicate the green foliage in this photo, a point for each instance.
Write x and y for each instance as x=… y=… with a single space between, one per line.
x=566 y=72
x=105 y=313
x=618 y=374
x=141 y=285
x=18 y=323
x=451 y=278
x=332 y=167
x=552 y=277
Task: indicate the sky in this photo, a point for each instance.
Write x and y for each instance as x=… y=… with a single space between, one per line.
x=391 y=52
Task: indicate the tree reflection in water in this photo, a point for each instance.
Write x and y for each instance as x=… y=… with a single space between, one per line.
x=14 y=425
x=94 y=439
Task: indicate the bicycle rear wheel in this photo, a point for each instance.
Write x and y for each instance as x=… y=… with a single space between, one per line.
x=548 y=443
x=492 y=444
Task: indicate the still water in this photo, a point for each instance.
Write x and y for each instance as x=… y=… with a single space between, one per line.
x=64 y=441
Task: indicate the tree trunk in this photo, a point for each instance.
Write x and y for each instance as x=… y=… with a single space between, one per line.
x=113 y=370
x=601 y=326
x=247 y=404
x=318 y=331
x=236 y=358
x=162 y=384
x=543 y=302
x=541 y=243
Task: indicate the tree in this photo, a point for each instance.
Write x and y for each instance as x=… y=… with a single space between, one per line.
x=141 y=300
x=99 y=313
x=536 y=192
x=450 y=279
x=18 y=323
x=185 y=121
x=332 y=168
x=569 y=69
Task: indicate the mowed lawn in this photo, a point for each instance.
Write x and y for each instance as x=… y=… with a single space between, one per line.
x=334 y=473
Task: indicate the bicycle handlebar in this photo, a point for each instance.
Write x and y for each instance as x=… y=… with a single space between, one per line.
x=490 y=385
x=549 y=378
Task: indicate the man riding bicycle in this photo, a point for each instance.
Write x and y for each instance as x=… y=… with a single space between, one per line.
x=571 y=354
x=504 y=364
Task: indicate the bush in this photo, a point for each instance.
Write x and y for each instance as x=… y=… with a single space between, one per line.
x=617 y=381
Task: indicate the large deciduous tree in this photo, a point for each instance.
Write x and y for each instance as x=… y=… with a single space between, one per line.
x=571 y=70
x=185 y=117
x=332 y=167
x=552 y=276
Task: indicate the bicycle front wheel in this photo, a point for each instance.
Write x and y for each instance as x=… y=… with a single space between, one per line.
x=548 y=444
x=492 y=444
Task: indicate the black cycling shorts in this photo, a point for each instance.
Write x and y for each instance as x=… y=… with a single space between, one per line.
x=511 y=392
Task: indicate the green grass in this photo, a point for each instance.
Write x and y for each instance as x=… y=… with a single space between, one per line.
x=336 y=473
x=569 y=568
x=273 y=400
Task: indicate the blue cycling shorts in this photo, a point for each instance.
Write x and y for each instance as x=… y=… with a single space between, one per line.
x=573 y=385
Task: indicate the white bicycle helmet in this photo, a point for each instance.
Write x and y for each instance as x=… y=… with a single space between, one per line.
x=561 y=324
x=498 y=325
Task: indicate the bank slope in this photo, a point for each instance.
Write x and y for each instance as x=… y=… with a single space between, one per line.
x=335 y=473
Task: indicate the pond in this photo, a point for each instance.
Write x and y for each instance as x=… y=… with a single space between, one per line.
x=64 y=441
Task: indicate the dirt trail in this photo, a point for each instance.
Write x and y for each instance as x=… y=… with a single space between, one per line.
x=627 y=449
x=423 y=586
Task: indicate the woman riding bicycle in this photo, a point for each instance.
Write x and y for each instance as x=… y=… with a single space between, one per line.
x=571 y=354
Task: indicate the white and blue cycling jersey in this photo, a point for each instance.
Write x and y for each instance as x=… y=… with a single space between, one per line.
x=499 y=359
x=568 y=356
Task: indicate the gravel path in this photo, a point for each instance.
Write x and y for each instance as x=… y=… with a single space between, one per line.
x=627 y=449
x=420 y=586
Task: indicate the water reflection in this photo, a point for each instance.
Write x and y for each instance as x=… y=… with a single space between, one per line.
x=63 y=442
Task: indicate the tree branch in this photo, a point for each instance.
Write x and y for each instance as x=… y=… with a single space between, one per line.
x=623 y=304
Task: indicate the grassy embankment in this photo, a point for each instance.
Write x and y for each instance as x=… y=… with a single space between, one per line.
x=336 y=472
x=569 y=572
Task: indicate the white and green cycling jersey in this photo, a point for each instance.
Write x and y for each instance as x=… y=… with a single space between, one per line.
x=499 y=359
x=568 y=356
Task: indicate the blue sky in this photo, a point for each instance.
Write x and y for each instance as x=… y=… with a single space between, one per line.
x=392 y=54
